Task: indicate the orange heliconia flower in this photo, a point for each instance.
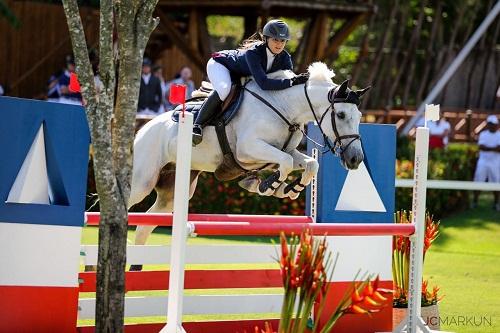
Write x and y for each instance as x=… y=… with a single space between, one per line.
x=367 y=297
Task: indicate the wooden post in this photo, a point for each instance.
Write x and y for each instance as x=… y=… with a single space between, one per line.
x=342 y=34
x=204 y=36
x=250 y=22
x=193 y=29
x=180 y=41
x=311 y=43
x=322 y=41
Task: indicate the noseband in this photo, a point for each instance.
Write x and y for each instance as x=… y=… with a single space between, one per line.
x=338 y=147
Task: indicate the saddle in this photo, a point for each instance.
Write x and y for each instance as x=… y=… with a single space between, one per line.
x=226 y=112
x=229 y=169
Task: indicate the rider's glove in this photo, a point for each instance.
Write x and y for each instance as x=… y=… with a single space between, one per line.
x=300 y=79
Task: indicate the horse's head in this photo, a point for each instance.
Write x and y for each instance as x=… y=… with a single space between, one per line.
x=340 y=119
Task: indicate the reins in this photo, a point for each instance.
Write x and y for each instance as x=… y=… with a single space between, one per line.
x=338 y=147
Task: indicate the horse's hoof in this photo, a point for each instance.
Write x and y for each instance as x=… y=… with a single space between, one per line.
x=293 y=195
x=197 y=138
x=293 y=189
x=135 y=268
x=271 y=183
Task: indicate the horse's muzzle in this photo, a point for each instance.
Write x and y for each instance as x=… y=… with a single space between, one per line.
x=352 y=158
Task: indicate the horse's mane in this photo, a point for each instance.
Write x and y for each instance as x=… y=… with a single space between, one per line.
x=318 y=73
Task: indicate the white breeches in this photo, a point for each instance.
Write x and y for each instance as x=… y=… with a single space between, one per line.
x=220 y=78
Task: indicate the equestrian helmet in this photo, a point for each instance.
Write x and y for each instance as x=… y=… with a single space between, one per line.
x=277 y=29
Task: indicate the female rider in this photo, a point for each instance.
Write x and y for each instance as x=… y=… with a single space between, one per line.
x=255 y=58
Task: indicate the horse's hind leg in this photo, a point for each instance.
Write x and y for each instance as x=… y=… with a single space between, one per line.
x=144 y=178
x=164 y=200
x=164 y=204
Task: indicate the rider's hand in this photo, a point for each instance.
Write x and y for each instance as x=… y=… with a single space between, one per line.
x=300 y=79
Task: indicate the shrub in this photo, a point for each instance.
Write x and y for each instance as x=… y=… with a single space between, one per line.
x=457 y=162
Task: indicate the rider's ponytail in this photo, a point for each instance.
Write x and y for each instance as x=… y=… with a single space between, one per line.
x=255 y=39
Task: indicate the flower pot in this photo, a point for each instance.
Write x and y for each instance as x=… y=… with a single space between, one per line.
x=430 y=315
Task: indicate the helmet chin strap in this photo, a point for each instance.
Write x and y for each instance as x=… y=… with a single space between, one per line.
x=267 y=45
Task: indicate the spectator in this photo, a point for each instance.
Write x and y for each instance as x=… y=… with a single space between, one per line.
x=150 y=91
x=185 y=75
x=66 y=96
x=1 y=90
x=488 y=164
x=158 y=72
x=439 y=132
x=53 y=89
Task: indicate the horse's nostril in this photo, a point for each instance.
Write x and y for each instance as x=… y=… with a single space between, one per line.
x=354 y=160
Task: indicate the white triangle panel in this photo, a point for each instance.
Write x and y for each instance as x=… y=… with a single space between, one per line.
x=359 y=193
x=32 y=183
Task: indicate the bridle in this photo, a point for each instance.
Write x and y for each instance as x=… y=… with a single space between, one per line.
x=338 y=147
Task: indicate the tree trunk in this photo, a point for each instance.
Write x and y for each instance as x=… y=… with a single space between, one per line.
x=449 y=52
x=430 y=54
x=375 y=66
x=363 y=51
x=409 y=56
x=479 y=50
x=489 y=53
x=390 y=63
x=134 y=25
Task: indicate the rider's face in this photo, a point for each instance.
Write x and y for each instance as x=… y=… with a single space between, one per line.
x=276 y=45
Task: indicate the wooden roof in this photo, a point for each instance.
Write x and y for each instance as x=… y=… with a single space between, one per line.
x=319 y=42
x=288 y=8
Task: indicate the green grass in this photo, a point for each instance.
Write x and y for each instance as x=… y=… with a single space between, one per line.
x=465 y=263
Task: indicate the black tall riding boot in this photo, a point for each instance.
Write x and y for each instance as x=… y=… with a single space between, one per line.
x=207 y=111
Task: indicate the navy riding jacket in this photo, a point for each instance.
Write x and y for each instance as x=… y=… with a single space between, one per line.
x=253 y=61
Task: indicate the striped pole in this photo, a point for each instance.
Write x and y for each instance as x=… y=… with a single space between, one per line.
x=166 y=219
x=318 y=229
x=179 y=232
x=413 y=323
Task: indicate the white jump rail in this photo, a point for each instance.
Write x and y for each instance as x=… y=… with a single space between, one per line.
x=147 y=306
x=195 y=254
x=451 y=185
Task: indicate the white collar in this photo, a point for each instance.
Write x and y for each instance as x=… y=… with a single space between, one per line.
x=270 y=58
x=269 y=53
x=146 y=78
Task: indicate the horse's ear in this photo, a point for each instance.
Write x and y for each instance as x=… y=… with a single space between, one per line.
x=343 y=88
x=362 y=91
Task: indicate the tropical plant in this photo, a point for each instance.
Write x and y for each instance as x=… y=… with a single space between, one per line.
x=306 y=267
x=401 y=261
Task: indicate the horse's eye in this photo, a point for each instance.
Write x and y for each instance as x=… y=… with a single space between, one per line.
x=341 y=115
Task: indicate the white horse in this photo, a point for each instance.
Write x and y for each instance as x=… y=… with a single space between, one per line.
x=256 y=136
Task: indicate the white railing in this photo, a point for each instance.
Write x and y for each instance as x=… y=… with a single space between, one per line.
x=451 y=185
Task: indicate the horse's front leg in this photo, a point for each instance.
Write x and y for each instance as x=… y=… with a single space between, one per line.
x=258 y=151
x=300 y=162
